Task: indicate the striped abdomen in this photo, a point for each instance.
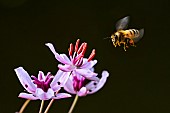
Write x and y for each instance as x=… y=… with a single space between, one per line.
x=131 y=33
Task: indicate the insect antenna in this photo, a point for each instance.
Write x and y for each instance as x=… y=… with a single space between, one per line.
x=107 y=38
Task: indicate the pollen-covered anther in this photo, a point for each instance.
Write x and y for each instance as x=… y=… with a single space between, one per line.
x=70 y=49
x=91 y=55
x=80 y=48
x=84 y=48
x=77 y=44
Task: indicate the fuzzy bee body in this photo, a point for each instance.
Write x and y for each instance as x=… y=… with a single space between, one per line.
x=126 y=37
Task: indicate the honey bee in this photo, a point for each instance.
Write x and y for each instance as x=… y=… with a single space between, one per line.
x=126 y=37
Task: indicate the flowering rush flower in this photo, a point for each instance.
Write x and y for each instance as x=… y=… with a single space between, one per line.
x=76 y=62
x=43 y=87
x=76 y=84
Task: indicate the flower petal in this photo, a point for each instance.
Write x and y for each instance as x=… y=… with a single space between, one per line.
x=40 y=93
x=93 y=87
x=61 y=58
x=59 y=80
x=93 y=78
x=65 y=68
x=41 y=76
x=86 y=73
x=61 y=95
x=57 y=76
x=82 y=92
x=49 y=94
x=87 y=64
x=69 y=86
x=25 y=80
x=67 y=60
x=27 y=96
x=44 y=95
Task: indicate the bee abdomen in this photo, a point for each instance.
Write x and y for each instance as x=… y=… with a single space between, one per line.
x=134 y=32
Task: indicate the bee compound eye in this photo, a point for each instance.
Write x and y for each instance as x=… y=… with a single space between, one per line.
x=116 y=37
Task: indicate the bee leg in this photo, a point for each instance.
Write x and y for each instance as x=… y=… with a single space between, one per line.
x=124 y=47
x=134 y=45
x=114 y=44
x=118 y=43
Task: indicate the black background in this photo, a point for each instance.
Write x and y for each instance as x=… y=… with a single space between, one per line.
x=139 y=80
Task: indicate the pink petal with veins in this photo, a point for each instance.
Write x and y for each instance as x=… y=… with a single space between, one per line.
x=99 y=85
x=44 y=95
x=66 y=68
x=87 y=64
x=59 y=80
x=86 y=73
x=69 y=86
x=61 y=58
x=25 y=80
x=61 y=95
x=82 y=92
x=93 y=78
x=67 y=60
x=27 y=96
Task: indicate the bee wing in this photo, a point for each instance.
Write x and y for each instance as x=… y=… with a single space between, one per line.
x=141 y=33
x=122 y=23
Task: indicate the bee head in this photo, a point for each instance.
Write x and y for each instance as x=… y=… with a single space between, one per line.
x=113 y=37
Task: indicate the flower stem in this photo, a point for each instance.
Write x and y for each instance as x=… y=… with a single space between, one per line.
x=41 y=107
x=73 y=104
x=49 y=105
x=24 y=106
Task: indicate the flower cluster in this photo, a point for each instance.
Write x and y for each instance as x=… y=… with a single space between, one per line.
x=76 y=63
x=76 y=84
x=75 y=75
x=80 y=70
x=43 y=87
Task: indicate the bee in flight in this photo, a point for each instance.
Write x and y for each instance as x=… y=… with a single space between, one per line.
x=126 y=37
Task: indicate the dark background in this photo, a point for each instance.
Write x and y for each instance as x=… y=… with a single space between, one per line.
x=139 y=80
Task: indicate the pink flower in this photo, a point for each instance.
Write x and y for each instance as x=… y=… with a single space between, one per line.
x=76 y=61
x=76 y=84
x=43 y=87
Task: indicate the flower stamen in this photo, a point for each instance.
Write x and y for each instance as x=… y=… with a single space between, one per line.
x=84 y=49
x=91 y=55
x=77 y=44
x=71 y=49
x=44 y=85
x=80 y=48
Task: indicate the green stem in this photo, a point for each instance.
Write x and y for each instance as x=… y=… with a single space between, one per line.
x=41 y=107
x=49 y=105
x=73 y=104
x=24 y=106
